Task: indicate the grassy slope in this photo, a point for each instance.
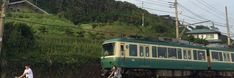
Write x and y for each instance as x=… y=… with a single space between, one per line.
x=62 y=41
x=55 y=45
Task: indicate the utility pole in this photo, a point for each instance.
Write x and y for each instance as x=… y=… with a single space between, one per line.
x=2 y=55
x=2 y=10
x=228 y=30
x=177 y=20
x=143 y=15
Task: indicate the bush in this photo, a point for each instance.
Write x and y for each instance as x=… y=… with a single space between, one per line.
x=18 y=37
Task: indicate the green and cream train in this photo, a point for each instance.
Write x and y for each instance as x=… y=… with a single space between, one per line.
x=147 y=58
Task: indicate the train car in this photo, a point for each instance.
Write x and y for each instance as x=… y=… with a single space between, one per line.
x=156 y=58
x=222 y=61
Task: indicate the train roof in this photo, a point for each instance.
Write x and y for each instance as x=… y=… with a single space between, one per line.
x=148 y=41
x=222 y=49
x=166 y=43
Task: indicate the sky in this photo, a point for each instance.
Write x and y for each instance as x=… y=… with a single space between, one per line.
x=193 y=11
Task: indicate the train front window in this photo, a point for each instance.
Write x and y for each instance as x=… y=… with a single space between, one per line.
x=132 y=50
x=108 y=49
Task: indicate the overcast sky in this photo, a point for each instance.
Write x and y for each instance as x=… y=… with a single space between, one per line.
x=193 y=11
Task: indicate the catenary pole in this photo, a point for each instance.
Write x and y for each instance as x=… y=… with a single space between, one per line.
x=228 y=30
x=177 y=19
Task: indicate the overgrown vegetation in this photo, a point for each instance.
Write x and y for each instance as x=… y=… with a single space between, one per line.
x=52 y=41
x=106 y=11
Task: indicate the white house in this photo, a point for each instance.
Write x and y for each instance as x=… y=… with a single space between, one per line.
x=212 y=36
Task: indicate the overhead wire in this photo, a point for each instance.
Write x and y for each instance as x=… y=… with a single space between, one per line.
x=199 y=16
x=215 y=9
x=196 y=15
x=210 y=10
x=152 y=3
x=215 y=23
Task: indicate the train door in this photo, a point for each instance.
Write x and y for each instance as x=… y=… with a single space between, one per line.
x=147 y=56
x=122 y=53
x=144 y=54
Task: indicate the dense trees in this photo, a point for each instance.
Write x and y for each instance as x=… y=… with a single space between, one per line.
x=18 y=39
x=105 y=11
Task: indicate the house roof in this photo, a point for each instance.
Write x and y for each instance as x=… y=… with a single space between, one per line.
x=26 y=1
x=202 y=31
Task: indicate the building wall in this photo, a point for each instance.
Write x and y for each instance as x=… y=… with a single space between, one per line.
x=212 y=36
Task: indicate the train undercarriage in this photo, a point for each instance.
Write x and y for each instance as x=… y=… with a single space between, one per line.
x=149 y=73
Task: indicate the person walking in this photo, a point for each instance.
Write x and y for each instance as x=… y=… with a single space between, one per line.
x=27 y=72
x=115 y=72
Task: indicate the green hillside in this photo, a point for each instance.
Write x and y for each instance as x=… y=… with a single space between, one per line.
x=70 y=39
x=46 y=40
x=54 y=41
x=107 y=11
x=62 y=37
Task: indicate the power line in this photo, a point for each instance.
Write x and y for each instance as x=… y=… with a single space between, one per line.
x=158 y=10
x=152 y=3
x=194 y=18
x=215 y=9
x=157 y=1
x=217 y=23
x=214 y=13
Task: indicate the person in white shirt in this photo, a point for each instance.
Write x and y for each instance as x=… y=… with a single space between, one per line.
x=27 y=72
x=115 y=72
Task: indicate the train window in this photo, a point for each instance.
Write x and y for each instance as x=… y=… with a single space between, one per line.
x=147 y=51
x=141 y=51
x=132 y=50
x=226 y=56
x=220 y=56
x=217 y=56
x=190 y=54
x=122 y=50
x=198 y=55
x=109 y=49
x=162 y=52
x=195 y=55
x=154 y=51
x=179 y=53
x=232 y=54
x=172 y=53
x=201 y=55
x=187 y=54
